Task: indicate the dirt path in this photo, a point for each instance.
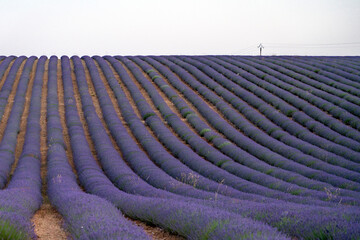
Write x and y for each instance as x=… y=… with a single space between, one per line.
x=156 y=233
x=48 y=223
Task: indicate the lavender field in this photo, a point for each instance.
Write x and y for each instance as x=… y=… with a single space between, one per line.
x=204 y=147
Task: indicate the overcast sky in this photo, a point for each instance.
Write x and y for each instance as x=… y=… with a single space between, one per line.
x=140 y=27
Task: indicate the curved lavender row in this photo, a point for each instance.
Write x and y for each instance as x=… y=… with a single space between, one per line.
x=303 y=222
x=295 y=79
x=230 y=71
x=131 y=152
x=143 y=166
x=4 y=65
x=341 y=60
x=353 y=61
x=143 y=136
x=54 y=130
x=346 y=66
x=198 y=164
x=286 y=99
x=123 y=102
x=177 y=124
x=336 y=112
x=118 y=171
x=190 y=220
x=325 y=97
x=280 y=206
x=156 y=152
x=334 y=80
x=299 y=116
x=308 y=223
x=130 y=116
x=340 y=65
x=86 y=216
x=287 y=111
x=9 y=82
x=286 y=145
x=263 y=138
x=242 y=141
x=9 y=138
x=231 y=150
x=22 y=197
x=220 y=125
x=301 y=104
x=318 y=224
x=348 y=63
x=329 y=70
x=168 y=186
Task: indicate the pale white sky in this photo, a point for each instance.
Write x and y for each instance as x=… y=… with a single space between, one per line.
x=140 y=27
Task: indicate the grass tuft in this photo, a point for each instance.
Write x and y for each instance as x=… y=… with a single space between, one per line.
x=148 y=115
x=11 y=232
x=224 y=144
x=203 y=131
x=155 y=77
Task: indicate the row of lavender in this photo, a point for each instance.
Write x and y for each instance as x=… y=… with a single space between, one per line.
x=155 y=78
x=22 y=195
x=151 y=119
x=183 y=217
x=184 y=196
x=145 y=115
x=226 y=129
x=287 y=122
x=212 y=154
x=196 y=101
x=84 y=213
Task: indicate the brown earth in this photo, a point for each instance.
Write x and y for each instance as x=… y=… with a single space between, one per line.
x=48 y=223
